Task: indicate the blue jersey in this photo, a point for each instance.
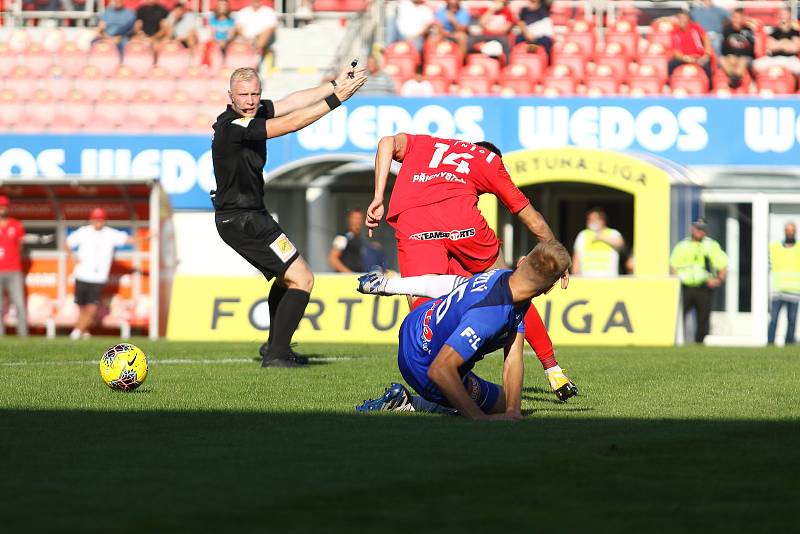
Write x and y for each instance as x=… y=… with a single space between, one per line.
x=476 y=318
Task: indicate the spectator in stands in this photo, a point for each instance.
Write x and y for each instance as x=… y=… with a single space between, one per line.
x=783 y=45
x=496 y=23
x=378 y=82
x=536 y=26
x=738 y=48
x=256 y=24
x=347 y=251
x=95 y=244
x=182 y=25
x=11 y=279
x=222 y=25
x=712 y=18
x=690 y=45
x=151 y=22
x=452 y=23
x=417 y=86
x=414 y=21
x=116 y=23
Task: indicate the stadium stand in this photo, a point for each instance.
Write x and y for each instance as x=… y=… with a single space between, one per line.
x=621 y=48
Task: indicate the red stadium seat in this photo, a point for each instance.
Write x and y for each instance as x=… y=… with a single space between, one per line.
x=40 y=309
x=182 y=107
x=535 y=62
x=476 y=79
x=208 y=55
x=66 y=312
x=657 y=57
x=131 y=123
x=438 y=78
x=613 y=56
x=53 y=40
x=404 y=55
x=111 y=105
x=570 y=55
x=450 y=64
x=78 y=106
x=10 y=107
x=174 y=57
x=562 y=12
x=147 y=105
x=602 y=81
x=489 y=64
x=639 y=85
x=582 y=33
x=8 y=59
x=240 y=54
x=340 y=5
x=721 y=81
x=776 y=80
x=72 y=58
x=517 y=77
x=138 y=56
x=63 y=123
x=37 y=59
x=21 y=81
x=92 y=82
x=624 y=34
x=442 y=48
x=127 y=83
x=161 y=83
x=41 y=107
x=661 y=32
x=394 y=71
x=118 y=315
x=104 y=56
x=690 y=79
x=766 y=15
x=196 y=83
x=57 y=82
x=18 y=40
x=560 y=79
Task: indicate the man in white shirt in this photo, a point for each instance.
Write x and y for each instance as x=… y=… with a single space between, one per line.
x=94 y=246
x=257 y=23
x=596 y=250
x=415 y=19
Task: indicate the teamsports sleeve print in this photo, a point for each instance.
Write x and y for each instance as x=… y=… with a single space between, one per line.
x=248 y=129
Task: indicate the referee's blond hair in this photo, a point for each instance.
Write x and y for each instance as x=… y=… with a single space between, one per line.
x=244 y=74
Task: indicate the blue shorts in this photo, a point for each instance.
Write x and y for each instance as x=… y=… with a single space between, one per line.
x=414 y=363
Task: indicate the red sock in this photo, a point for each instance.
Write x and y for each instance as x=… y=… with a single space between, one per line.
x=537 y=337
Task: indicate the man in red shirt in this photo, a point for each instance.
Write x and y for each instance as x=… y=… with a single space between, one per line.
x=690 y=45
x=11 y=279
x=439 y=229
x=496 y=22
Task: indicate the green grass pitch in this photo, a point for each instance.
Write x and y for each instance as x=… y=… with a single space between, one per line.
x=689 y=439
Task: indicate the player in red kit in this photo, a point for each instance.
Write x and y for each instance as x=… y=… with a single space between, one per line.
x=11 y=278
x=439 y=229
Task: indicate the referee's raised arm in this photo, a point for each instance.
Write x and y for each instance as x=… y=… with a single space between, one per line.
x=239 y=153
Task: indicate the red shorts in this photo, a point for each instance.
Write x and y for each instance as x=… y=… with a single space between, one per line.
x=448 y=237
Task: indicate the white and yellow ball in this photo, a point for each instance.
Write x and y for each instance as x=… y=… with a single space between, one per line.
x=123 y=367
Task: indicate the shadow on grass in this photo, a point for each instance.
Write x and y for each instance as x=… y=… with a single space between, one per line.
x=221 y=471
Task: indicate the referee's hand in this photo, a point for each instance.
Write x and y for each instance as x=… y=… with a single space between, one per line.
x=349 y=86
x=345 y=74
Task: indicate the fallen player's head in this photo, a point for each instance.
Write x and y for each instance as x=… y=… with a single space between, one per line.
x=544 y=265
x=491 y=147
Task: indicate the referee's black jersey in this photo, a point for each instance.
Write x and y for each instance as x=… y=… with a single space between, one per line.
x=239 y=152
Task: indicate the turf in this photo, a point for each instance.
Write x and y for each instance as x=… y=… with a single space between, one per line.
x=691 y=439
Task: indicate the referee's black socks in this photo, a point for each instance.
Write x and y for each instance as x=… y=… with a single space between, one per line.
x=276 y=293
x=288 y=313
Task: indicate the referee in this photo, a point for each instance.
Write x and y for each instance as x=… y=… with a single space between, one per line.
x=239 y=152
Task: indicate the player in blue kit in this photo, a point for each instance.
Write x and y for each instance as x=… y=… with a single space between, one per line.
x=442 y=340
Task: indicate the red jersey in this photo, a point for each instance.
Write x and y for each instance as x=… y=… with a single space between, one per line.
x=436 y=169
x=11 y=235
x=689 y=41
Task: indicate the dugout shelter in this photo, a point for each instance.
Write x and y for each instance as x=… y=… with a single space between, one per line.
x=136 y=297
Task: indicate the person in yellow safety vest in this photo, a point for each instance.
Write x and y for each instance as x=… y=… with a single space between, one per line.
x=701 y=265
x=596 y=250
x=784 y=258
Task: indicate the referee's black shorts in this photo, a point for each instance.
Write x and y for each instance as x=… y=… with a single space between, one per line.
x=256 y=236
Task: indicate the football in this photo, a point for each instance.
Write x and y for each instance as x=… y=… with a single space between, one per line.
x=123 y=367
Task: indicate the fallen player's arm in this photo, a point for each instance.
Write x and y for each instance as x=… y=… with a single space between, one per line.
x=534 y=221
x=514 y=376
x=444 y=372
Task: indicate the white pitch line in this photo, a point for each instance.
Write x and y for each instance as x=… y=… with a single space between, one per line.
x=172 y=361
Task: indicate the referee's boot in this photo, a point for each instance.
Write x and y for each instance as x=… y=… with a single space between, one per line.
x=292 y=355
x=562 y=386
x=396 y=398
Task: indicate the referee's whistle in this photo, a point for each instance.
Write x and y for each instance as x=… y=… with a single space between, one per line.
x=353 y=64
